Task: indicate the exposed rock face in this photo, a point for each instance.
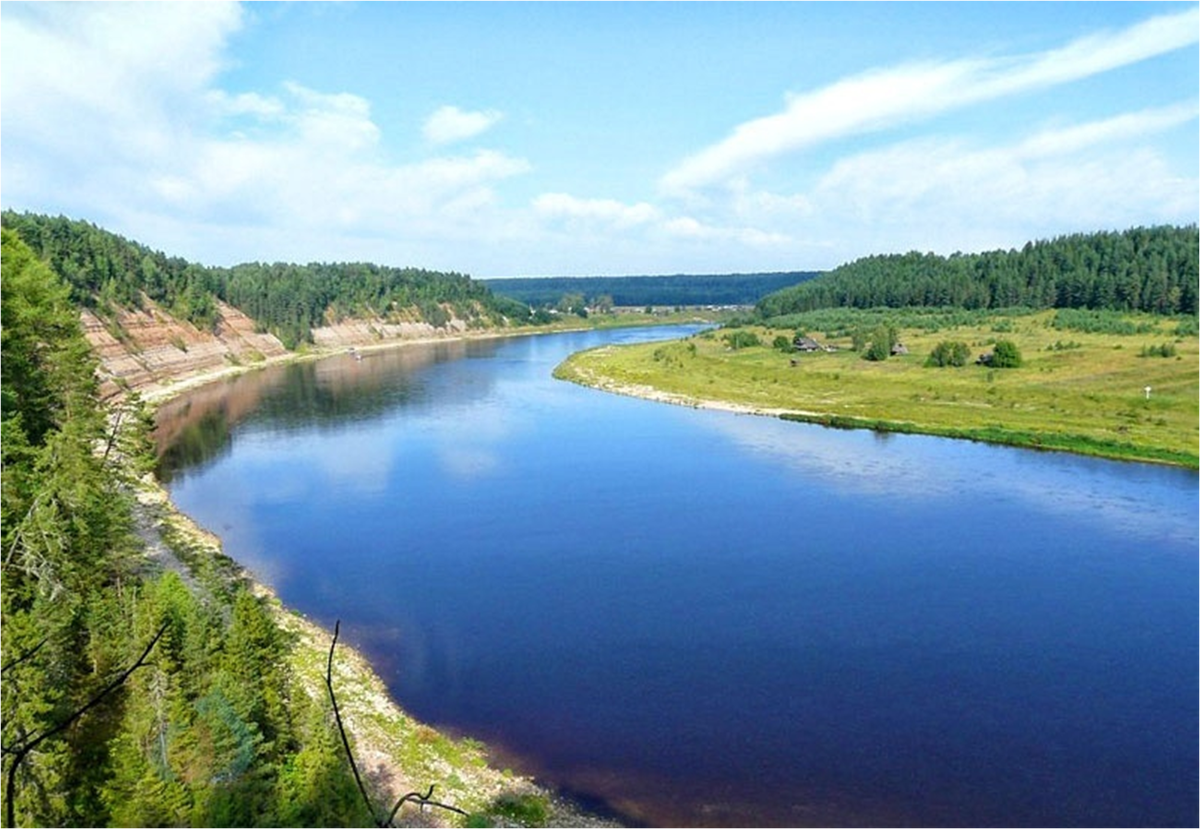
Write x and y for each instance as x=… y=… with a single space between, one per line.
x=149 y=349
x=361 y=332
x=146 y=350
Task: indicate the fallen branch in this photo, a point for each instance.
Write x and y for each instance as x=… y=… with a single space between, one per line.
x=412 y=797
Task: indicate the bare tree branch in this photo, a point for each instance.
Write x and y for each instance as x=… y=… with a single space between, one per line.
x=341 y=729
x=423 y=800
x=412 y=797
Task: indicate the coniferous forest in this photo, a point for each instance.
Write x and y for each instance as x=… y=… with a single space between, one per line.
x=104 y=270
x=1144 y=269
x=129 y=698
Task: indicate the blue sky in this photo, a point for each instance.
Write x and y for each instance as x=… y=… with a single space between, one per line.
x=526 y=139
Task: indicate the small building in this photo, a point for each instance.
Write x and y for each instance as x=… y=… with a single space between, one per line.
x=806 y=344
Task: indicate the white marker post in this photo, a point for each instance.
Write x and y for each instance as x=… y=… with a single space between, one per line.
x=1147 y=392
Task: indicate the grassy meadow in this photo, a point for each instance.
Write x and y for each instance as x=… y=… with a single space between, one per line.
x=1081 y=386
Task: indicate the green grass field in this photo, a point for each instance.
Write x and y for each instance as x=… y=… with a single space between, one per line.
x=1076 y=390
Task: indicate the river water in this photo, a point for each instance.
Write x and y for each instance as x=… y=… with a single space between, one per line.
x=702 y=618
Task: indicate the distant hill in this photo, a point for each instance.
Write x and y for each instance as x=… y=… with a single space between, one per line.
x=107 y=273
x=1152 y=269
x=639 y=291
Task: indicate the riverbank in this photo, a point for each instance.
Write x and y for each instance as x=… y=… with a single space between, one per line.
x=396 y=753
x=1084 y=393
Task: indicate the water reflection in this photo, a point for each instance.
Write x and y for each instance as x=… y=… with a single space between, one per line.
x=709 y=618
x=970 y=476
x=351 y=388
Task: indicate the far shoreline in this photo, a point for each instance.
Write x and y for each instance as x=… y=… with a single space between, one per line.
x=571 y=370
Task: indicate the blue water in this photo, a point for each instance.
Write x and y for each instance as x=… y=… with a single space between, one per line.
x=702 y=618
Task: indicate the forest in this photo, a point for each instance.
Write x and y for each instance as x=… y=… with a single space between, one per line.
x=105 y=271
x=129 y=697
x=640 y=291
x=1143 y=269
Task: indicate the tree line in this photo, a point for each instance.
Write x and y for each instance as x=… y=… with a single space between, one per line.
x=129 y=698
x=640 y=291
x=1143 y=269
x=106 y=272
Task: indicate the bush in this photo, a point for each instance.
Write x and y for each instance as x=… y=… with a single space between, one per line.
x=782 y=343
x=1164 y=350
x=1005 y=354
x=742 y=339
x=949 y=353
x=882 y=340
x=877 y=351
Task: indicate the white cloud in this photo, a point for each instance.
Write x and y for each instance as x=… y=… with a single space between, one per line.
x=1122 y=127
x=597 y=217
x=688 y=227
x=947 y=192
x=449 y=124
x=122 y=99
x=339 y=122
x=115 y=113
x=605 y=211
x=880 y=99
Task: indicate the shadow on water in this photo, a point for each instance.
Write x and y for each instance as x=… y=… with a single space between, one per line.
x=197 y=428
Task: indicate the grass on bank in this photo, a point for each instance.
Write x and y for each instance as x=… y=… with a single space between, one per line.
x=1081 y=386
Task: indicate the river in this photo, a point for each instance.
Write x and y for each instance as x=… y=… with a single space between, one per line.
x=703 y=618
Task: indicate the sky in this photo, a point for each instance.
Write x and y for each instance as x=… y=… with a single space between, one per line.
x=560 y=139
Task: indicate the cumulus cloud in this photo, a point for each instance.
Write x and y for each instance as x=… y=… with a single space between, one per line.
x=605 y=211
x=449 y=124
x=885 y=98
x=94 y=81
x=116 y=110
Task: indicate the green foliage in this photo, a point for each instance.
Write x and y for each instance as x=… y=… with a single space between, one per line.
x=646 y=291
x=883 y=339
x=1164 y=350
x=67 y=543
x=1098 y=322
x=523 y=809
x=212 y=730
x=949 y=353
x=1005 y=354
x=782 y=343
x=742 y=339
x=1152 y=270
x=603 y=304
x=105 y=271
x=1059 y=345
x=571 y=303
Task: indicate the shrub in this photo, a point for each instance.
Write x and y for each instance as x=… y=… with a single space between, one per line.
x=782 y=343
x=742 y=339
x=877 y=351
x=1005 y=354
x=949 y=353
x=1164 y=350
x=882 y=340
